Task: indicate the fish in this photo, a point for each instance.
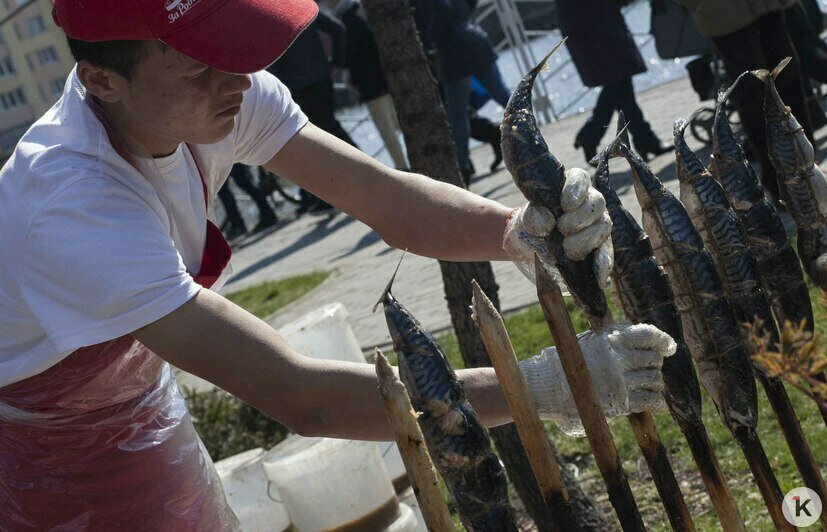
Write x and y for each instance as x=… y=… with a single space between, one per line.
x=643 y=291
x=709 y=326
x=455 y=437
x=725 y=237
x=540 y=177
x=801 y=182
x=777 y=262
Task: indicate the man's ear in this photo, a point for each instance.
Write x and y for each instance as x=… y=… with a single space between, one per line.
x=104 y=83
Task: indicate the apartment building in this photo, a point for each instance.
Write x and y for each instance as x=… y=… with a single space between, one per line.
x=34 y=63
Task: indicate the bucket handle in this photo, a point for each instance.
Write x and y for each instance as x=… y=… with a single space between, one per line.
x=270 y=483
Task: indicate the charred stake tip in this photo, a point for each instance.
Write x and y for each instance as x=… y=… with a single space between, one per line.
x=384 y=298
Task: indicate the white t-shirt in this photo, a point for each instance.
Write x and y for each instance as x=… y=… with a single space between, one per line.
x=93 y=249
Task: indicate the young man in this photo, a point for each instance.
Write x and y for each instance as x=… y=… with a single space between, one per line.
x=107 y=246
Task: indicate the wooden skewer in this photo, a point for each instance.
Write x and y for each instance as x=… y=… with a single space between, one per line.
x=412 y=447
x=588 y=405
x=532 y=433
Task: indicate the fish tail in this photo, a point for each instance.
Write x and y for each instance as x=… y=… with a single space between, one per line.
x=765 y=75
x=542 y=65
x=384 y=298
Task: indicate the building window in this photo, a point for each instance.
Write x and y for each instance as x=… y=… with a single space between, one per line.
x=56 y=86
x=6 y=67
x=47 y=55
x=35 y=26
x=12 y=99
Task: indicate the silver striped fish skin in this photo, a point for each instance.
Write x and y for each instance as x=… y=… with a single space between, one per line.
x=643 y=291
x=778 y=264
x=709 y=325
x=800 y=180
x=540 y=177
x=456 y=439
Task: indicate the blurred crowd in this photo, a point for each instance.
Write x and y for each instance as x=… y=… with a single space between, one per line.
x=735 y=35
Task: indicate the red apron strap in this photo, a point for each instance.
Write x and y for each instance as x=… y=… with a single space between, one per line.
x=217 y=251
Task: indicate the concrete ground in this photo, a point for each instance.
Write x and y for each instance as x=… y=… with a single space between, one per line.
x=361 y=263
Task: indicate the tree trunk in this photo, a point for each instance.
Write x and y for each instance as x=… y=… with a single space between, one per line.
x=431 y=152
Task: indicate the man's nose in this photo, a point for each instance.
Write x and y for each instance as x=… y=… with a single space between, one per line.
x=235 y=83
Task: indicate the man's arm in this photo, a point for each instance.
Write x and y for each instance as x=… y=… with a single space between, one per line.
x=408 y=210
x=216 y=340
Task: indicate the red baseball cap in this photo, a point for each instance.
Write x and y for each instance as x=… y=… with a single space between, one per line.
x=238 y=36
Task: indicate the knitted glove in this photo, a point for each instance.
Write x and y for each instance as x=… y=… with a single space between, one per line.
x=624 y=362
x=585 y=226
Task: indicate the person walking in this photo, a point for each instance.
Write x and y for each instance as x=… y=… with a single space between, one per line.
x=306 y=70
x=606 y=56
x=366 y=76
x=111 y=265
x=235 y=226
x=751 y=35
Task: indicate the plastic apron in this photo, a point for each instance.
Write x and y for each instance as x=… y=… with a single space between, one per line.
x=103 y=440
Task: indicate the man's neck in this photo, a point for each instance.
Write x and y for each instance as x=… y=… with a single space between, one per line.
x=138 y=138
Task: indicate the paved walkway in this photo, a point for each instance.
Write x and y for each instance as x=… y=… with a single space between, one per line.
x=361 y=263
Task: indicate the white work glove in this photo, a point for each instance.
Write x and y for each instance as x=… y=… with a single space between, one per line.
x=585 y=226
x=625 y=365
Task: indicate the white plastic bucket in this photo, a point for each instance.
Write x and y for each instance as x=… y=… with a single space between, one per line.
x=324 y=333
x=408 y=498
x=245 y=486
x=331 y=484
x=406 y=521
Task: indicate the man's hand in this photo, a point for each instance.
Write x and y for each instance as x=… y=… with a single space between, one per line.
x=624 y=361
x=585 y=226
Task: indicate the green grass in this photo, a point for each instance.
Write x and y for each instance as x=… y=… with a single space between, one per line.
x=266 y=298
x=529 y=334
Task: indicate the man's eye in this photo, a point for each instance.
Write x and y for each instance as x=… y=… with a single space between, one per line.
x=200 y=73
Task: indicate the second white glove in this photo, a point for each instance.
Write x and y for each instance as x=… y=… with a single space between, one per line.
x=625 y=364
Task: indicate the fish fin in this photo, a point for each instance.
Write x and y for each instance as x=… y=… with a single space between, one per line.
x=724 y=94
x=614 y=149
x=777 y=70
x=542 y=65
x=679 y=126
x=762 y=74
x=390 y=283
x=622 y=129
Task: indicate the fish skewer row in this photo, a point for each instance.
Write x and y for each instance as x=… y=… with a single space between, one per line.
x=709 y=325
x=801 y=182
x=777 y=262
x=642 y=290
x=724 y=235
x=457 y=441
x=540 y=176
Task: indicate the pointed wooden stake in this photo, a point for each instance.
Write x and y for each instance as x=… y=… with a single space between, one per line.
x=529 y=426
x=412 y=447
x=588 y=405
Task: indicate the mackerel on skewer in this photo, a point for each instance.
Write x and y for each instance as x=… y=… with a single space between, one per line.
x=724 y=235
x=456 y=439
x=778 y=264
x=540 y=177
x=643 y=291
x=800 y=180
x=709 y=325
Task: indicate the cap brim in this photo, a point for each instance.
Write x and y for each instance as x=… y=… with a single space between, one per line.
x=244 y=36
